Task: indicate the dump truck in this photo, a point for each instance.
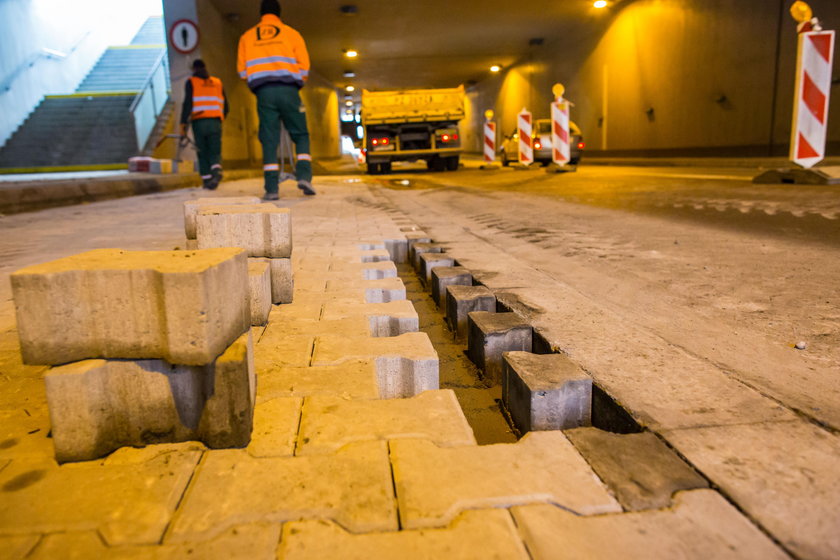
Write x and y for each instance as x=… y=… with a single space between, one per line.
x=412 y=125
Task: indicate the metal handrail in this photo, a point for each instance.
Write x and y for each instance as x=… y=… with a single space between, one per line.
x=143 y=128
x=148 y=83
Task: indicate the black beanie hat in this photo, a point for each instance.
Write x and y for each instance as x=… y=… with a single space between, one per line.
x=270 y=7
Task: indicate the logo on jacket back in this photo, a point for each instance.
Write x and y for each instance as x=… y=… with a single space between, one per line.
x=267 y=32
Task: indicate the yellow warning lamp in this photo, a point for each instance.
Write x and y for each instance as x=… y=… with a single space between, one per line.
x=495 y=68
x=600 y=4
x=488 y=114
x=558 y=90
x=801 y=11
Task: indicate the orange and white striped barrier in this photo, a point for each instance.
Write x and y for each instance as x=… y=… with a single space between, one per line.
x=489 y=142
x=560 y=149
x=810 y=106
x=524 y=126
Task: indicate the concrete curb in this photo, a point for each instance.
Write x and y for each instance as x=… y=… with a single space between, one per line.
x=30 y=196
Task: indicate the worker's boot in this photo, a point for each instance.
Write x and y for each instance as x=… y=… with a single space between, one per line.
x=306 y=187
x=207 y=182
x=216 y=173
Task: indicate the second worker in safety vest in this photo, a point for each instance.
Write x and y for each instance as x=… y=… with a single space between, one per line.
x=274 y=60
x=205 y=107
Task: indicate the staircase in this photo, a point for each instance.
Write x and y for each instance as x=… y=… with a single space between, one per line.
x=91 y=128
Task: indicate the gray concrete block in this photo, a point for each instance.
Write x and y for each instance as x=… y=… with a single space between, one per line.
x=412 y=239
x=398 y=248
x=421 y=248
x=259 y=284
x=191 y=208
x=185 y=307
x=282 y=280
x=641 y=471
x=493 y=334
x=97 y=406
x=462 y=300
x=430 y=261
x=444 y=276
x=374 y=255
x=263 y=230
x=546 y=392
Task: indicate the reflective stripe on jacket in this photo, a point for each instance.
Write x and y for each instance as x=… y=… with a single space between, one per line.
x=272 y=52
x=208 y=99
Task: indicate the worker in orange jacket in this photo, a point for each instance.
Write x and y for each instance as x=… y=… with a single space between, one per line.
x=205 y=107
x=274 y=60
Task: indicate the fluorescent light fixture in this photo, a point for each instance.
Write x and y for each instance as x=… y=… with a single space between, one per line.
x=349 y=89
x=351 y=53
x=600 y=4
x=495 y=68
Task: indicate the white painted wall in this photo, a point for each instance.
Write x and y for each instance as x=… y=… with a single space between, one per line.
x=81 y=29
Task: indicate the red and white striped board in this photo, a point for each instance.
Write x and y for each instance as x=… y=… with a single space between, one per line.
x=489 y=142
x=560 y=149
x=810 y=106
x=526 y=149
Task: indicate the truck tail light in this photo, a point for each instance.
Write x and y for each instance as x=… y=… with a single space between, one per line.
x=581 y=145
x=384 y=141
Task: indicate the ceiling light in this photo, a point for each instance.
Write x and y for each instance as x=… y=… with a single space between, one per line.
x=350 y=88
x=600 y=4
x=495 y=68
x=351 y=53
x=348 y=103
x=349 y=74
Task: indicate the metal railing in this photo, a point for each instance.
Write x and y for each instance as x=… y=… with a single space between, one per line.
x=150 y=101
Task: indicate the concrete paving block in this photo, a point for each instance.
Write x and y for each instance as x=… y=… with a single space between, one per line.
x=255 y=540
x=371 y=291
x=97 y=406
x=406 y=365
x=434 y=484
x=444 y=276
x=700 y=525
x=25 y=433
x=352 y=487
x=191 y=208
x=277 y=351
x=545 y=392
x=329 y=422
x=357 y=326
x=642 y=472
x=398 y=249
x=375 y=255
x=263 y=230
x=430 y=261
x=353 y=380
x=482 y=534
x=18 y=547
x=276 y=423
x=282 y=279
x=418 y=249
x=492 y=334
x=259 y=284
x=191 y=245
x=412 y=239
x=367 y=271
x=784 y=475
x=386 y=319
x=130 y=500
x=463 y=300
x=185 y=307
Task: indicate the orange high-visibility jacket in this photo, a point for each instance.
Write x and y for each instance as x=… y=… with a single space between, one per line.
x=208 y=98
x=272 y=52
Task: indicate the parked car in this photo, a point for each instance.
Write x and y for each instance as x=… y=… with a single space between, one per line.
x=542 y=144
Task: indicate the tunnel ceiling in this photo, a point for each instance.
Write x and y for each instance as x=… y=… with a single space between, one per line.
x=424 y=43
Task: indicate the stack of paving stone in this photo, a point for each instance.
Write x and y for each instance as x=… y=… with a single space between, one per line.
x=147 y=347
x=264 y=231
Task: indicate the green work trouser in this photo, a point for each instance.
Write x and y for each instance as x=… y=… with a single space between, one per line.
x=276 y=103
x=208 y=142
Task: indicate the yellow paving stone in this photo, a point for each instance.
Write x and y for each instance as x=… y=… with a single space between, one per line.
x=17 y=547
x=275 y=427
x=435 y=483
x=353 y=487
x=386 y=319
x=366 y=271
x=129 y=499
x=274 y=350
x=478 y=535
x=699 y=525
x=329 y=422
x=406 y=365
x=23 y=434
x=355 y=379
x=256 y=540
x=357 y=326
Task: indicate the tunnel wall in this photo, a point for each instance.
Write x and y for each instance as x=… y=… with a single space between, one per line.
x=218 y=48
x=718 y=74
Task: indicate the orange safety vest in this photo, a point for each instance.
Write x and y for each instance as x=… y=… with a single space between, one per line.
x=272 y=52
x=208 y=99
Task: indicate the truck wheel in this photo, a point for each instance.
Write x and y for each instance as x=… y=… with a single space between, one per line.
x=385 y=167
x=374 y=168
x=452 y=163
x=505 y=160
x=437 y=164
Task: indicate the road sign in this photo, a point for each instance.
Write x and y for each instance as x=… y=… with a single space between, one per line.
x=526 y=149
x=183 y=36
x=489 y=142
x=560 y=150
x=810 y=105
